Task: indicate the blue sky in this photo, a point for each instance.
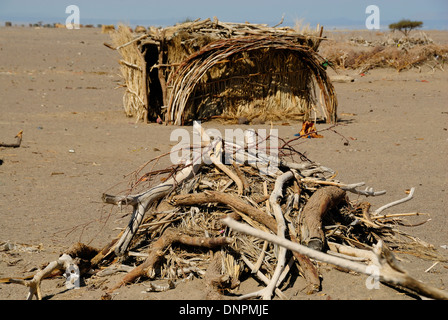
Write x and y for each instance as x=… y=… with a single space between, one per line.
x=330 y=13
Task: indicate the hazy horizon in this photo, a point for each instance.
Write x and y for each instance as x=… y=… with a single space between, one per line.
x=344 y=14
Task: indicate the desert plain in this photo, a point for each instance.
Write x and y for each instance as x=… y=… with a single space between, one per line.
x=62 y=88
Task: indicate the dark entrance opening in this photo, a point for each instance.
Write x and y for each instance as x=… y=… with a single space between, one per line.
x=155 y=97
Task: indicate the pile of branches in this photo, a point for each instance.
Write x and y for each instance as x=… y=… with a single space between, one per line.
x=264 y=216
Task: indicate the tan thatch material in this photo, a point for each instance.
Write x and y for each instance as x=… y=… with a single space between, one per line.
x=107 y=28
x=204 y=69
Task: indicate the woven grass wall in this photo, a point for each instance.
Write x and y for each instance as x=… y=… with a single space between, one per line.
x=209 y=69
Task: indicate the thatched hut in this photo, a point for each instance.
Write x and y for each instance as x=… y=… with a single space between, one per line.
x=203 y=69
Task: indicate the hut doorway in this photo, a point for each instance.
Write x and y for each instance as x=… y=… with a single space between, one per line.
x=155 y=95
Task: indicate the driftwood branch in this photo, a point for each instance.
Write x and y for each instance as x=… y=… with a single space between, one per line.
x=215 y=157
x=142 y=201
x=262 y=277
x=242 y=178
x=52 y=269
x=15 y=144
x=225 y=198
x=156 y=252
x=323 y=200
x=394 y=203
x=347 y=187
x=76 y=258
x=256 y=214
x=266 y=293
x=387 y=271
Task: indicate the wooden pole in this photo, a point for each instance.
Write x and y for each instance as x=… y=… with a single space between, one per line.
x=162 y=79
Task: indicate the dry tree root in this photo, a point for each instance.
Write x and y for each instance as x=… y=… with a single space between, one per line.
x=323 y=200
x=158 y=248
x=79 y=255
x=274 y=199
x=308 y=269
x=52 y=269
x=216 y=282
x=387 y=270
x=225 y=198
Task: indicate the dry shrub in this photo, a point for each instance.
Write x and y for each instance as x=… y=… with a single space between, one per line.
x=344 y=56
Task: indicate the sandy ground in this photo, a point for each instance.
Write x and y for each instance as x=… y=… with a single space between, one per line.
x=59 y=87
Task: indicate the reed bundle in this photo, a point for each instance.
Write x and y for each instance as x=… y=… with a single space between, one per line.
x=132 y=68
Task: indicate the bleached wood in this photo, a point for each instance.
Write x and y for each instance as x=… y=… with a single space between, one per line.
x=142 y=201
x=387 y=270
x=266 y=293
x=63 y=263
x=394 y=203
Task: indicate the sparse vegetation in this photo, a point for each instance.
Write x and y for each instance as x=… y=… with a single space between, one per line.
x=405 y=26
x=386 y=51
